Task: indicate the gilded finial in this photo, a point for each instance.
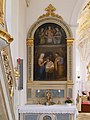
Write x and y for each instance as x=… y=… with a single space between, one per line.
x=50 y=12
x=50 y=9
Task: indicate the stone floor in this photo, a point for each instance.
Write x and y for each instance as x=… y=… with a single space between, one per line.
x=83 y=116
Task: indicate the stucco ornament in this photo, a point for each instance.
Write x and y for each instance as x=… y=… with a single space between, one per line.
x=83 y=32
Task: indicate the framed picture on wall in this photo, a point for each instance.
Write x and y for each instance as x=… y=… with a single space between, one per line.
x=50 y=53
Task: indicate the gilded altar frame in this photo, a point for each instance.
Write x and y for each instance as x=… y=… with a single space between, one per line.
x=33 y=87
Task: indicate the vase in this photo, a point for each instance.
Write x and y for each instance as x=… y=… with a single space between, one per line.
x=69 y=104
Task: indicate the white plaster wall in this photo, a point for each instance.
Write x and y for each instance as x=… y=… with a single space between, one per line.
x=78 y=72
x=12 y=17
x=22 y=48
x=16 y=24
x=75 y=12
x=8 y=15
x=64 y=8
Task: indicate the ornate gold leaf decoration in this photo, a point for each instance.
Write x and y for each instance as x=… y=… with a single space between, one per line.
x=8 y=71
x=1 y=21
x=1 y=12
x=30 y=42
x=16 y=72
x=6 y=36
x=50 y=12
x=70 y=41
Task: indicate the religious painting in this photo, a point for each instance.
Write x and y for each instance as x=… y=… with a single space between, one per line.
x=50 y=53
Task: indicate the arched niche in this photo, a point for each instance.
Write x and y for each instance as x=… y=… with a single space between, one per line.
x=55 y=20
x=49 y=48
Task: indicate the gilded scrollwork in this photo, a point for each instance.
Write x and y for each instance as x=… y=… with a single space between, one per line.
x=1 y=12
x=70 y=41
x=17 y=75
x=7 y=69
x=30 y=42
x=6 y=36
x=50 y=12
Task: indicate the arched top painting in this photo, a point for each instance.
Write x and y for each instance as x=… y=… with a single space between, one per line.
x=50 y=53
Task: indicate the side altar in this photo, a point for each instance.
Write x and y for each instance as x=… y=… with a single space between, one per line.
x=52 y=112
x=49 y=58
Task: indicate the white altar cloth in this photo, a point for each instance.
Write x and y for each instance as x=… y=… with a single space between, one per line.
x=48 y=109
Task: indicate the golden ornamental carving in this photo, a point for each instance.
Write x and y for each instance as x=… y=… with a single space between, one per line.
x=30 y=42
x=1 y=12
x=16 y=72
x=50 y=12
x=70 y=41
x=12 y=92
x=1 y=21
x=6 y=36
x=8 y=71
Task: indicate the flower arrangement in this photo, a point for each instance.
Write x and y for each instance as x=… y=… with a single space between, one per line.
x=68 y=100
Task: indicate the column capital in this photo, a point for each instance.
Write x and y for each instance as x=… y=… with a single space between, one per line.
x=30 y=42
x=70 y=41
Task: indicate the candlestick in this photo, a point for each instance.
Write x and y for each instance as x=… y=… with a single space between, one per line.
x=59 y=102
x=38 y=96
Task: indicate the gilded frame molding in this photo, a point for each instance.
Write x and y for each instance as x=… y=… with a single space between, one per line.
x=30 y=41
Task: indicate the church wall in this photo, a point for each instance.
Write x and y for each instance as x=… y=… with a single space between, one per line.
x=69 y=14
x=84 y=51
x=62 y=8
x=16 y=25
x=8 y=14
x=20 y=18
x=22 y=48
x=12 y=11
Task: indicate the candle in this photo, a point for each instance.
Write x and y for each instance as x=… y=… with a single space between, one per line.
x=59 y=91
x=38 y=91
